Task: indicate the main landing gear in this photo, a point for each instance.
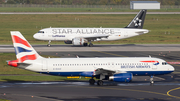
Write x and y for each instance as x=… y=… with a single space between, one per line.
x=92 y=82
x=49 y=43
x=99 y=82
x=90 y=44
x=86 y=44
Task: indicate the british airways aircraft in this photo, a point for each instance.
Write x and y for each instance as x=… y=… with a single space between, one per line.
x=119 y=69
x=83 y=36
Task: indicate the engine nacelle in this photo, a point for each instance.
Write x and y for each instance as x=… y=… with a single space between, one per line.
x=68 y=42
x=122 y=77
x=79 y=41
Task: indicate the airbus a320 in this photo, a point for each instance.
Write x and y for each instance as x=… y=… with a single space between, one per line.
x=85 y=36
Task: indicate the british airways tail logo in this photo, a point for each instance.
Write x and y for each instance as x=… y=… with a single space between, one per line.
x=20 y=50
x=152 y=61
x=21 y=41
x=23 y=49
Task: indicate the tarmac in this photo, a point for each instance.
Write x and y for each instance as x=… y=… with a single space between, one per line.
x=165 y=88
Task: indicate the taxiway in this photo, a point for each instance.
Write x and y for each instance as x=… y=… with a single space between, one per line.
x=166 y=87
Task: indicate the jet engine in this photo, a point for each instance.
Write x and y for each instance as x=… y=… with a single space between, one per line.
x=79 y=41
x=121 y=77
x=68 y=42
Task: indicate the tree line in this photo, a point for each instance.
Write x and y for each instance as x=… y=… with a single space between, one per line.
x=84 y=2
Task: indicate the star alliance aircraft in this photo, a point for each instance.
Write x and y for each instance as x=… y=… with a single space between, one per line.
x=119 y=69
x=83 y=36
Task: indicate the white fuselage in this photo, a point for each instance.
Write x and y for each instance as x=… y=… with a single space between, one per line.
x=83 y=66
x=62 y=34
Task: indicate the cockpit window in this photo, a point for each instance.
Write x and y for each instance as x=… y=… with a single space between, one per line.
x=41 y=32
x=164 y=63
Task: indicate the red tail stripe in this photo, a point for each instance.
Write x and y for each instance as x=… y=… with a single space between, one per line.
x=19 y=40
x=28 y=57
x=151 y=61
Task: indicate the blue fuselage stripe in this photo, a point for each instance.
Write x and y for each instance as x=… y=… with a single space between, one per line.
x=90 y=74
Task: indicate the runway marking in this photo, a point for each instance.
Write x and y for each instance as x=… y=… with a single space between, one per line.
x=138 y=91
x=173 y=95
x=109 y=53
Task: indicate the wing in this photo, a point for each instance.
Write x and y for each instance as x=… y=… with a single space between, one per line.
x=104 y=71
x=95 y=37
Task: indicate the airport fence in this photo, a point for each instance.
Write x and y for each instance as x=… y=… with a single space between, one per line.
x=83 y=6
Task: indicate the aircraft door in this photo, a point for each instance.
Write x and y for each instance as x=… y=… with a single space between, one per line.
x=44 y=65
x=154 y=67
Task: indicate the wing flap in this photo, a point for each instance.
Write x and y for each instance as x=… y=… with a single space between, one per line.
x=95 y=37
x=105 y=71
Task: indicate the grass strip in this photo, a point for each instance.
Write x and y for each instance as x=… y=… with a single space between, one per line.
x=163 y=28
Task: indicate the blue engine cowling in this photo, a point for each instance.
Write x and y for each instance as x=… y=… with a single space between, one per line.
x=122 y=77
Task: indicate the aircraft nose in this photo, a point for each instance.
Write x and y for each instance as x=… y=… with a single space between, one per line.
x=36 y=36
x=171 y=68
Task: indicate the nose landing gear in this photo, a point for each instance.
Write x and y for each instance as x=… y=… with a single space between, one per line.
x=151 y=80
x=49 y=43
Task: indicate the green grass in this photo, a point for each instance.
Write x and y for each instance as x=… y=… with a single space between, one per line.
x=105 y=9
x=163 y=28
x=4 y=100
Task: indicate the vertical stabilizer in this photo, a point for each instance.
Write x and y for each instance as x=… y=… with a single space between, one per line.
x=24 y=51
x=138 y=20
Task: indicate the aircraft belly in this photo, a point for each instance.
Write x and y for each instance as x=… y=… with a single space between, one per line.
x=141 y=73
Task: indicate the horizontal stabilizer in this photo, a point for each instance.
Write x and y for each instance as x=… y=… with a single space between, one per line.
x=23 y=65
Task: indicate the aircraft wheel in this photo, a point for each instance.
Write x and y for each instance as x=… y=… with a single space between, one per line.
x=91 y=81
x=151 y=80
x=90 y=45
x=48 y=45
x=85 y=44
x=100 y=83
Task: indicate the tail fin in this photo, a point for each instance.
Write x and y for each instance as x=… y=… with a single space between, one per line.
x=24 y=51
x=138 y=20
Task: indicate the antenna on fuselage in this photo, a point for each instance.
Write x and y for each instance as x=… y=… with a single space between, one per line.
x=149 y=56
